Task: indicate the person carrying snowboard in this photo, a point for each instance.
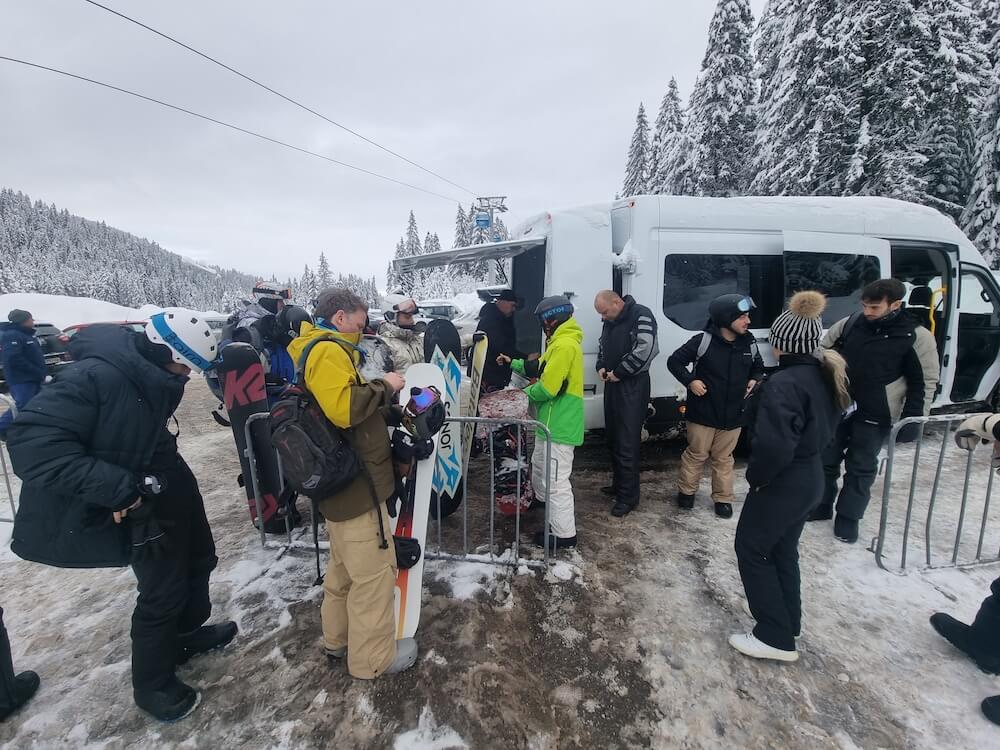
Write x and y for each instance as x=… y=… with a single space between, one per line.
x=399 y=331
x=105 y=486
x=358 y=588
x=557 y=399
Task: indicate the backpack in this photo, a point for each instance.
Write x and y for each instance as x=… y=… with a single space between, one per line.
x=706 y=341
x=317 y=458
x=848 y=325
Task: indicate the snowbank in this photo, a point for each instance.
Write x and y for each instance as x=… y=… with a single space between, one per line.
x=62 y=311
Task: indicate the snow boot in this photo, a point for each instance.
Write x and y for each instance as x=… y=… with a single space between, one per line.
x=169 y=704
x=15 y=690
x=749 y=644
x=335 y=655
x=555 y=542
x=724 y=510
x=621 y=510
x=845 y=529
x=406 y=656
x=609 y=490
x=821 y=513
x=962 y=637
x=204 y=639
x=991 y=708
x=685 y=501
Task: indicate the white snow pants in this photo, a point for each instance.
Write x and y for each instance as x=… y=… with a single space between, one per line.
x=562 y=515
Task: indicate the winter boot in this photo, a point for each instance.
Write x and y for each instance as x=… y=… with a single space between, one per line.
x=845 y=529
x=749 y=644
x=335 y=655
x=724 y=510
x=555 y=542
x=609 y=490
x=685 y=501
x=204 y=639
x=406 y=656
x=621 y=510
x=171 y=703
x=962 y=637
x=991 y=708
x=821 y=513
x=15 y=690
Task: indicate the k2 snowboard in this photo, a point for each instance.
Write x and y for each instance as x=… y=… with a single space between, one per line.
x=443 y=349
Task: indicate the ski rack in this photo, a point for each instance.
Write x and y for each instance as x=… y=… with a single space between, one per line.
x=11 y=407
x=255 y=482
x=492 y=423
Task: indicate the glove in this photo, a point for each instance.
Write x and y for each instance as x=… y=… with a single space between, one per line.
x=980 y=427
x=908 y=433
x=48 y=379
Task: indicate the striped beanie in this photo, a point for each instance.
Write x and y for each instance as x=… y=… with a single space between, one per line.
x=798 y=329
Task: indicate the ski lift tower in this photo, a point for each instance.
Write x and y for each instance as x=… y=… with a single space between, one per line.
x=486 y=206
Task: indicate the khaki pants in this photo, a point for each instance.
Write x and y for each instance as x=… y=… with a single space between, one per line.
x=707 y=443
x=358 y=602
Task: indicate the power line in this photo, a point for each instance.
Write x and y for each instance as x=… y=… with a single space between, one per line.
x=226 y=125
x=279 y=94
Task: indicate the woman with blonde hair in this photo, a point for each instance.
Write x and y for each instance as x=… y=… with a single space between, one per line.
x=797 y=415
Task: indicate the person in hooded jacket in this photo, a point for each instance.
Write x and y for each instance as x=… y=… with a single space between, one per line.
x=496 y=320
x=718 y=380
x=401 y=335
x=556 y=397
x=798 y=411
x=23 y=362
x=105 y=486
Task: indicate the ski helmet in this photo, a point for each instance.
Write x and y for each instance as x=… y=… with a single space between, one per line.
x=269 y=295
x=727 y=308
x=556 y=309
x=288 y=322
x=188 y=337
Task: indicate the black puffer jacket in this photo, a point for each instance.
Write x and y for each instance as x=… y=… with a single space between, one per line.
x=725 y=369
x=81 y=446
x=499 y=329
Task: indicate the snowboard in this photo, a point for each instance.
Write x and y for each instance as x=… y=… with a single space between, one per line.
x=241 y=375
x=414 y=511
x=477 y=361
x=510 y=466
x=376 y=357
x=443 y=349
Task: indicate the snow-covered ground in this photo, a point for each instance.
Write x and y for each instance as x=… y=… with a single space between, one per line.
x=621 y=644
x=62 y=311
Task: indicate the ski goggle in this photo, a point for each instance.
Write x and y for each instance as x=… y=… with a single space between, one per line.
x=745 y=305
x=422 y=399
x=424 y=413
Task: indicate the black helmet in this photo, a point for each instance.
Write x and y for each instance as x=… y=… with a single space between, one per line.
x=288 y=322
x=557 y=308
x=725 y=309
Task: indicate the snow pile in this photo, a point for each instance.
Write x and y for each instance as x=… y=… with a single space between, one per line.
x=428 y=735
x=64 y=311
x=468 y=302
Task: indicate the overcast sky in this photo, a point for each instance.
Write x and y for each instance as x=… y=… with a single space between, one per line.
x=533 y=100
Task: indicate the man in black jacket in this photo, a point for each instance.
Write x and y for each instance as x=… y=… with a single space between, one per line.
x=627 y=349
x=893 y=367
x=722 y=375
x=23 y=362
x=104 y=486
x=496 y=320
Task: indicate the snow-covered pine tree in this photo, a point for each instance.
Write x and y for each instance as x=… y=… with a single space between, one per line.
x=720 y=116
x=324 y=278
x=666 y=135
x=461 y=228
x=403 y=279
x=637 y=165
x=390 y=276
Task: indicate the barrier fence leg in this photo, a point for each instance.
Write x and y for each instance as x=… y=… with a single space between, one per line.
x=493 y=494
x=517 y=506
x=986 y=514
x=934 y=489
x=961 y=512
x=913 y=490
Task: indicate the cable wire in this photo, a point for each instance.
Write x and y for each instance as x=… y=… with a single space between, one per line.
x=226 y=125
x=278 y=94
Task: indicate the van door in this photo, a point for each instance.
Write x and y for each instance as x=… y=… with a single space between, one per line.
x=839 y=265
x=977 y=368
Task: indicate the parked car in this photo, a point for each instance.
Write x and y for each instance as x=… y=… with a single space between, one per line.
x=48 y=337
x=70 y=331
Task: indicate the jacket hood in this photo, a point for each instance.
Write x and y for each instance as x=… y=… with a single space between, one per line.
x=310 y=331
x=569 y=330
x=120 y=348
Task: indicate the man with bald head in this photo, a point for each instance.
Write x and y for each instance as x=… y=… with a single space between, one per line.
x=627 y=349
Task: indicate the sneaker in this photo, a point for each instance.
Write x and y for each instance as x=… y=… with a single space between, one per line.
x=172 y=703
x=335 y=653
x=845 y=529
x=204 y=639
x=609 y=490
x=991 y=708
x=959 y=635
x=685 y=501
x=821 y=513
x=555 y=542
x=406 y=656
x=24 y=686
x=724 y=510
x=621 y=510
x=749 y=644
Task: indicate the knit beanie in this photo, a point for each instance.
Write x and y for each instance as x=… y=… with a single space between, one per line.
x=18 y=317
x=798 y=329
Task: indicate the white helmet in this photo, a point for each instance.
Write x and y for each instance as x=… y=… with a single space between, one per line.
x=187 y=336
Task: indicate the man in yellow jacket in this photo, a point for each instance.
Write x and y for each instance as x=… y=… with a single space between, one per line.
x=557 y=400
x=358 y=610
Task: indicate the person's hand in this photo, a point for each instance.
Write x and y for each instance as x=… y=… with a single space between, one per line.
x=698 y=387
x=612 y=378
x=750 y=386
x=118 y=515
x=602 y=374
x=503 y=359
x=394 y=381
x=533 y=356
x=976 y=429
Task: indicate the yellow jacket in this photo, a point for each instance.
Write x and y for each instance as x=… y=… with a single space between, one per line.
x=352 y=404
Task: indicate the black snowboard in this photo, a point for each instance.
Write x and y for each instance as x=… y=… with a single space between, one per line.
x=443 y=347
x=241 y=375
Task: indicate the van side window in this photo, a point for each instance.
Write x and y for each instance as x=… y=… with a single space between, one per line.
x=840 y=277
x=690 y=282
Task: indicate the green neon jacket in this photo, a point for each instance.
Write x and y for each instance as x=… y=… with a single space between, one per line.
x=557 y=397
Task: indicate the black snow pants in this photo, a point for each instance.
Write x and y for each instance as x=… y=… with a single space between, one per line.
x=8 y=696
x=626 y=404
x=986 y=627
x=172 y=576
x=767 y=549
x=856 y=444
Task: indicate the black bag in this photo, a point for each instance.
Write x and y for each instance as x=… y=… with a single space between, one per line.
x=317 y=458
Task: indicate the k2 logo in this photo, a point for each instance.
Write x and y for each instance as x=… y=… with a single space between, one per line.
x=242 y=389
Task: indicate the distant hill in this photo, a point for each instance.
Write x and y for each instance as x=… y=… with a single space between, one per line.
x=43 y=249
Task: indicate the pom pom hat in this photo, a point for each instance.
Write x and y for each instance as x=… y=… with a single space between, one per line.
x=798 y=329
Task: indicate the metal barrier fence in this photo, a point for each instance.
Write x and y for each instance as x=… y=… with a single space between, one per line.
x=4 y=465
x=937 y=508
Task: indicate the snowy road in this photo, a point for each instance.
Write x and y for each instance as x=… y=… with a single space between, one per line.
x=621 y=645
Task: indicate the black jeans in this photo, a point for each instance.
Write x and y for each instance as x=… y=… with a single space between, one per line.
x=767 y=550
x=626 y=404
x=856 y=444
x=172 y=578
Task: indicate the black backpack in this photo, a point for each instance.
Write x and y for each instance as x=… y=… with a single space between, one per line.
x=317 y=458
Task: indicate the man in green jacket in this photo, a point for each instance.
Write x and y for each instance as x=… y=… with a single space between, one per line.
x=557 y=401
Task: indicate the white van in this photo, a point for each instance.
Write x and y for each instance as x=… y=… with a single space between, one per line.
x=675 y=254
